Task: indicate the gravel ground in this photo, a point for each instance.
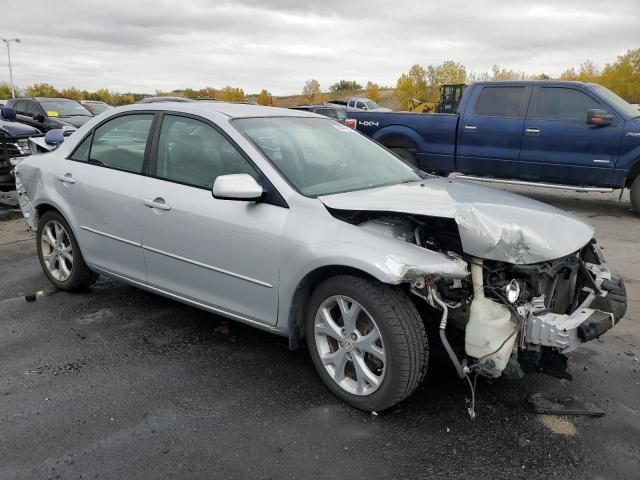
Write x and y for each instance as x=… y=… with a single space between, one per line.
x=119 y=383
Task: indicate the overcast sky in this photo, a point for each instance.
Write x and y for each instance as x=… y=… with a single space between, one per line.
x=141 y=45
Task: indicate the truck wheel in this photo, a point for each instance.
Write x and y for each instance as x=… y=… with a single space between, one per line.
x=635 y=194
x=60 y=254
x=367 y=341
x=407 y=155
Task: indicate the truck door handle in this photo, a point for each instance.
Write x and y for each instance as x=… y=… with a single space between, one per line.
x=471 y=128
x=532 y=131
x=156 y=203
x=66 y=178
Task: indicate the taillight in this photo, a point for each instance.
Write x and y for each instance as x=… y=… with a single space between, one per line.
x=351 y=123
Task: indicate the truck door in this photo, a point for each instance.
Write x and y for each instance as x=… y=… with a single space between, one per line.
x=558 y=146
x=490 y=132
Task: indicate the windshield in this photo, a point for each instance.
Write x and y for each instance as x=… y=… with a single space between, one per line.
x=371 y=105
x=627 y=110
x=64 y=108
x=320 y=157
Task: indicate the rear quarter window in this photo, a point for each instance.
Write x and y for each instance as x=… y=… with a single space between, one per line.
x=500 y=102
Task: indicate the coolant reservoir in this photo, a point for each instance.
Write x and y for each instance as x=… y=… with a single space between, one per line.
x=489 y=325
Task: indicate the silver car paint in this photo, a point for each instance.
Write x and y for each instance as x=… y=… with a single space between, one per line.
x=263 y=262
x=493 y=224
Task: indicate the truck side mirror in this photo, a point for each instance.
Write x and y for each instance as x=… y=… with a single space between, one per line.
x=599 y=117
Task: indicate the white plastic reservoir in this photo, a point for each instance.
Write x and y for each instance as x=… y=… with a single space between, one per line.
x=489 y=325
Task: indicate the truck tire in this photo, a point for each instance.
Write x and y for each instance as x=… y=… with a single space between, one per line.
x=59 y=254
x=635 y=194
x=367 y=341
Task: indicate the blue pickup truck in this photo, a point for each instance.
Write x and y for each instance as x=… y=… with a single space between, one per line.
x=559 y=134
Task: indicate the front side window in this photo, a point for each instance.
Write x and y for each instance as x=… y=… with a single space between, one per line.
x=567 y=104
x=319 y=156
x=121 y=143
x=500 y=102
x=30 y=108
x=194 y=153
x=371 y=105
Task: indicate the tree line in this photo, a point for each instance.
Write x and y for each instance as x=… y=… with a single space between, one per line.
x=419 y=83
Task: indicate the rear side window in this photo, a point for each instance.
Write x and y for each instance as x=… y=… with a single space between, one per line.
x=567 y=104
x=194 y=153
x=500 y=102
x=121 y=143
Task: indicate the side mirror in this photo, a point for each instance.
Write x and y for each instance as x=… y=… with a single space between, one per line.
x=239 y=186
x=599 y=117
x=38 y=117
x=8 y=113
x=54 y=137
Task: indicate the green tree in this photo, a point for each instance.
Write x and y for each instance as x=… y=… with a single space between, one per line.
x=265 y=98
x=623 y=76
x=345 y=85
x=5 y=91
x=447 y=72
x=412 y=85
x=311 y=89
x=499 y=74
x=231 y=94
x=373 y=91
x=42 y=90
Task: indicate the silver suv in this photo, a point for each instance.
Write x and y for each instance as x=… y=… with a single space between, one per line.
x=299 y=225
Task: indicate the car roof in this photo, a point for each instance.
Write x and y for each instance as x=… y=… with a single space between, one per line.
x=53 y=98
x=232 y=110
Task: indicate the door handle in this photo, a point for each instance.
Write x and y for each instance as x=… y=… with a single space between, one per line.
x=471 y=128
x=532 y=131
x=66 y=178
x=156 y=203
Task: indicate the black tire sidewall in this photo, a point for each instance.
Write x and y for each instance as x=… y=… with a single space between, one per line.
x=634 y=194
x=74 y=279
x=392 y=381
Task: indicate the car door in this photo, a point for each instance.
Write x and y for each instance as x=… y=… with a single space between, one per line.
x=100 y=183
x=224 y=254
x=558 y=145
x=21 y=107
x=490 y=133
x=37 y=115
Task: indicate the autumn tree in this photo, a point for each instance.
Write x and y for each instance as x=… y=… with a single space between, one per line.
x=588 y=72
x=501 y=74
x=5 y=90
x=623 y=76
x=231 y=94
x=373 y=91
x=447 y=72
x=311 y=89
x=412 y=85
x=569 y=74
x=73 y=93
x=345 y=85
x=265 y=98
x=42 y=90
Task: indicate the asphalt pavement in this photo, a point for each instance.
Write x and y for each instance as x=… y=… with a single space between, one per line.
x=117 y=383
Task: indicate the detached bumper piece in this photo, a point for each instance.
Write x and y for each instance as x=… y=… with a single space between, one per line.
x=566 y=332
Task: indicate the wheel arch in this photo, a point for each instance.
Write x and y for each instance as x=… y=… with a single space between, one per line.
x=398 y=136
x=304 y=289
x=633 y=173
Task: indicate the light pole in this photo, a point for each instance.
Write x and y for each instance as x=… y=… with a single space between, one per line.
x=8 y=41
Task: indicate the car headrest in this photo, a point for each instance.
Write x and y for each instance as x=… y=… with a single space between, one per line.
x=7 y=113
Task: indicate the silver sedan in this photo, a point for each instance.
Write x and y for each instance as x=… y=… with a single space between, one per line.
x=296 y=224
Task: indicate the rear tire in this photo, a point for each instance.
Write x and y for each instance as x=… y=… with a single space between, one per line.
x=372 y=359
x=635 y=195
x=60 y=255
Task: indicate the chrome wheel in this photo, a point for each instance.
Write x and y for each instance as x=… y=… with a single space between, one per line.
x=349 y=345
x=57 y=252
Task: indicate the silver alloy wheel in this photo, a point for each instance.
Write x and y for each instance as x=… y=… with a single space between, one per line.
x=350 y=345
x=56 y=250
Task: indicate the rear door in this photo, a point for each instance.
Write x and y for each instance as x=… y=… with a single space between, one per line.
x=558 y=146
x=490 y=133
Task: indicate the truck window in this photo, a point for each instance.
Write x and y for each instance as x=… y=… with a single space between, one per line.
x=567 y=104
x=500 y=102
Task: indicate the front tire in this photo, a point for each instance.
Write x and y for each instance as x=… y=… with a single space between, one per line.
x=367 y=341
x=60 y=255
x=635 y=195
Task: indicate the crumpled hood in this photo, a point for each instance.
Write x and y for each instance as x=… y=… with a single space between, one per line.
x=493 y=224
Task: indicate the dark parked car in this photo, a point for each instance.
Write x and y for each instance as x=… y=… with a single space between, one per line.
x=14 y=145
x=337 y=112
x=95 y=106
x=50 y=113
